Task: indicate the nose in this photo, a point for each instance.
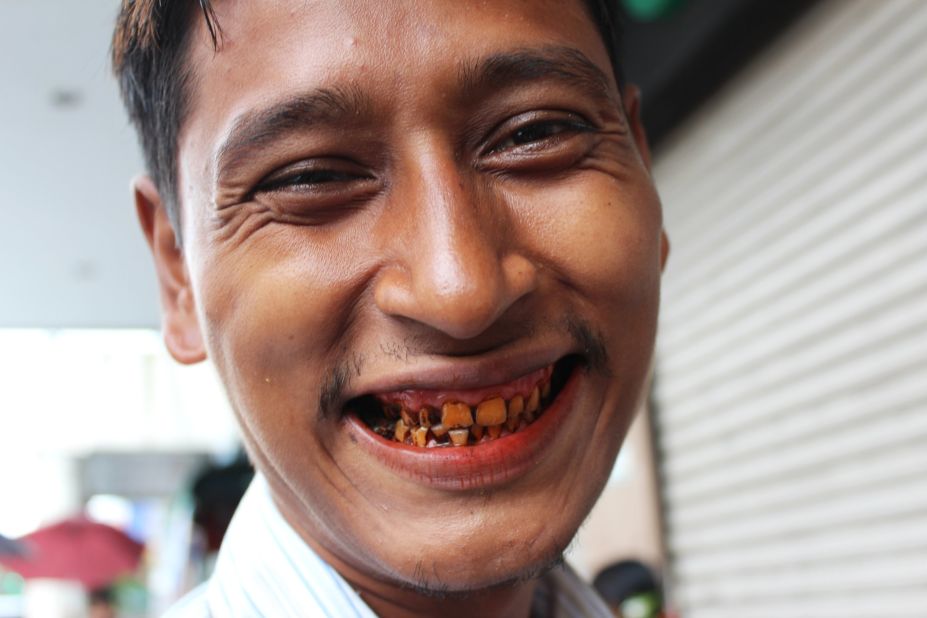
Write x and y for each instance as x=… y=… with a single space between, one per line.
x=457 y=268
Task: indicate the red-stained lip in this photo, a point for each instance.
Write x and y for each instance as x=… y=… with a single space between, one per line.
x=479 y=466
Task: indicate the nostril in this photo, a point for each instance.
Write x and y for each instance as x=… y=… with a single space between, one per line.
x=462 y=308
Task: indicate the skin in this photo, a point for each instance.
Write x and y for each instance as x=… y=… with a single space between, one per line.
x=437 y=223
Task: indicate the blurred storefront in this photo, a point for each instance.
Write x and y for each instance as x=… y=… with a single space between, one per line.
x=791 y=399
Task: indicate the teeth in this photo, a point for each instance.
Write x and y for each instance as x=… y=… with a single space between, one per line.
x=534 y=401
x=491 y=419
x=401 y=430
x=424 y=419
x=420 y=436
x=456 y=415
x=407 y=418
x=491 y=412
x=532 y=405
x=516 y=407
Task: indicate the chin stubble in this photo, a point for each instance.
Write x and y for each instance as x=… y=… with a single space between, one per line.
x=432 y=587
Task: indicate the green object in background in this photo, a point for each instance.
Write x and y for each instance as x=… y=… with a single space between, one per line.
x=131 y=596
x=650 y=10
x=644 y=605
x=10 y=583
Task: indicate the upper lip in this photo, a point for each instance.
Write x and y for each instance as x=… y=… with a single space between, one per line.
x=456 y=373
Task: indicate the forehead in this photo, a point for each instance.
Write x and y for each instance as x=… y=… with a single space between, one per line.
x=273 y=47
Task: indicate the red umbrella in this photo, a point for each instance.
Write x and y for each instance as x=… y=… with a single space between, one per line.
x=77 y=549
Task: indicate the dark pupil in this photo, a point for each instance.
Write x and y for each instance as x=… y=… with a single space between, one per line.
x=322 y=176
x=534 y=133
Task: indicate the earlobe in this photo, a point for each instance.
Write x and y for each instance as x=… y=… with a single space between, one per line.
x=632 y=110
x=179 y=321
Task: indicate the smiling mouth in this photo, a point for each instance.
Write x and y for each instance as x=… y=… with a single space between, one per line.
x=446 y=418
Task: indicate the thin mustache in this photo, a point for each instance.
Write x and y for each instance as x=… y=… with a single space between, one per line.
x=344 y=371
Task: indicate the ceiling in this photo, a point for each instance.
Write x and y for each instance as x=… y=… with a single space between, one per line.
x=71 y=254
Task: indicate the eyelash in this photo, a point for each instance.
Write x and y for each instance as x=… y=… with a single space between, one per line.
x=562 y=128
x=312 y=178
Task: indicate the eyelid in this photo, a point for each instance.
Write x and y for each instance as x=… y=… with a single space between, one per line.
x=277 y=179
x=513 y=124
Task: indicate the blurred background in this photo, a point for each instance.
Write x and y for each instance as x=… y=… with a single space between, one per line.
x=781 y=466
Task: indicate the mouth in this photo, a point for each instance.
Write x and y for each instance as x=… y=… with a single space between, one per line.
x=448 y=418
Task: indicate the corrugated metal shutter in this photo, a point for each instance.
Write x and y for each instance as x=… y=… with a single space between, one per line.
x=792 y=357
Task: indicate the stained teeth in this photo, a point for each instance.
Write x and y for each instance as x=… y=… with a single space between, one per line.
x=533 y=403
x=459 y=436
x=401 y=430
x=456 y=415
x=516 y=407
x=420 y=436
x=491 y=419
x=407 y=418
x=424 y=419
x=491 y=412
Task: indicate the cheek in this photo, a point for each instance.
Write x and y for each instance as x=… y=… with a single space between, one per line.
x=600 y=238
x=275 y=311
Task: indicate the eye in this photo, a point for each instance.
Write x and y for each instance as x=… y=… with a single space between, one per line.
x=318 y=190
x=309 y=180
x=536 y=131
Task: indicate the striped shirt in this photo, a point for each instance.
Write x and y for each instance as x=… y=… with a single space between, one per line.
x=264 y=568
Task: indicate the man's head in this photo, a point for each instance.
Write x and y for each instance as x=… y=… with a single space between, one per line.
x=393 y=213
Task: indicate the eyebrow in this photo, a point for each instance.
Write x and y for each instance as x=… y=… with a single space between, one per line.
x=559 y=63
x=256 y=129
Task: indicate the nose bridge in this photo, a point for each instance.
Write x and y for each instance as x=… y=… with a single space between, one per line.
x=454 y=274
x=458 y=232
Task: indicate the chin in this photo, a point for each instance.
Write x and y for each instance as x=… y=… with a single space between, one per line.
x=462 y=576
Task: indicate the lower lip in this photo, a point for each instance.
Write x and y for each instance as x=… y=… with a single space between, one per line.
x=484 y=465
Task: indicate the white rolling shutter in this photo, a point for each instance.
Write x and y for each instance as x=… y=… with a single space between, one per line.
x=792 y=356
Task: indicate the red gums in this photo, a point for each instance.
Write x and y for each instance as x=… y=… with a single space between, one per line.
x=415 y=399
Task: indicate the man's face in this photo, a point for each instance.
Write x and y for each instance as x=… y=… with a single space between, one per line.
x=412 y=204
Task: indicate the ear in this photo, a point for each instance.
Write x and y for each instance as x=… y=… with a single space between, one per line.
x=632 y=110
x=179 y=322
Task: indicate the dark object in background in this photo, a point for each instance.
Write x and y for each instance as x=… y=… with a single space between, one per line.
x=217 y=490
x=681 y=51
x=9 y=547
x=102 y=603
x=630 y=589
x=77 y=549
